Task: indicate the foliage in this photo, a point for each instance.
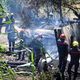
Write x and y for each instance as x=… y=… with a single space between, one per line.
x=8 y=22
x=33 y=67
x=6 y=73
x=20 y=7
x=1 y=11
x=45 y=76
x=2 y=48
x=29 y=10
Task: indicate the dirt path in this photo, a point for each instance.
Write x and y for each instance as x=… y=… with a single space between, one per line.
x=23 y=78
x=3 y=39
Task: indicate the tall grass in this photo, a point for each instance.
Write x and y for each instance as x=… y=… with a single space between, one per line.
x=33 y=66
x=6 y=73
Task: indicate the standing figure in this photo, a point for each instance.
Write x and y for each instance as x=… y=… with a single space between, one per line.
x=75 y=55
x=21 y=54
x=63 y=53
x=37 y=45
x=10 y=31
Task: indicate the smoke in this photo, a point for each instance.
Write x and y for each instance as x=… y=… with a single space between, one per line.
x=29 y=16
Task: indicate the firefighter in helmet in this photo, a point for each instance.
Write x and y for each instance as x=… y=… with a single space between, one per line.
x=63 y=53
x=75 y=55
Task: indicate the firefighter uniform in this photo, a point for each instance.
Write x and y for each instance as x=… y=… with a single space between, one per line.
x=63 y=53
x=75 y=55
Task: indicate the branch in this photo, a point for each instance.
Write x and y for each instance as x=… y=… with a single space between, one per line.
x=73 y=9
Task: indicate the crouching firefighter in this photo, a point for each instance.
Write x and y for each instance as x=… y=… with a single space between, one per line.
x=63 y=53
x=75 y=55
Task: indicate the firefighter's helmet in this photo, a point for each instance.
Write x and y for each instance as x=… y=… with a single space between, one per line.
x=62 y=36
x=75 y=43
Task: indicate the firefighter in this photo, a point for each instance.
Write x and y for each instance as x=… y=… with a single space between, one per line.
x=21 y=54
x=10 y=31
x=63 y=53
x=37 y=45
x=75 y=55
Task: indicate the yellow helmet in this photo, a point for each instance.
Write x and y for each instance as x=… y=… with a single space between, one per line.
x=75 y=43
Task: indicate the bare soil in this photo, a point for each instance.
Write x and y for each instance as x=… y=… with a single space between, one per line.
x=19 y=77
